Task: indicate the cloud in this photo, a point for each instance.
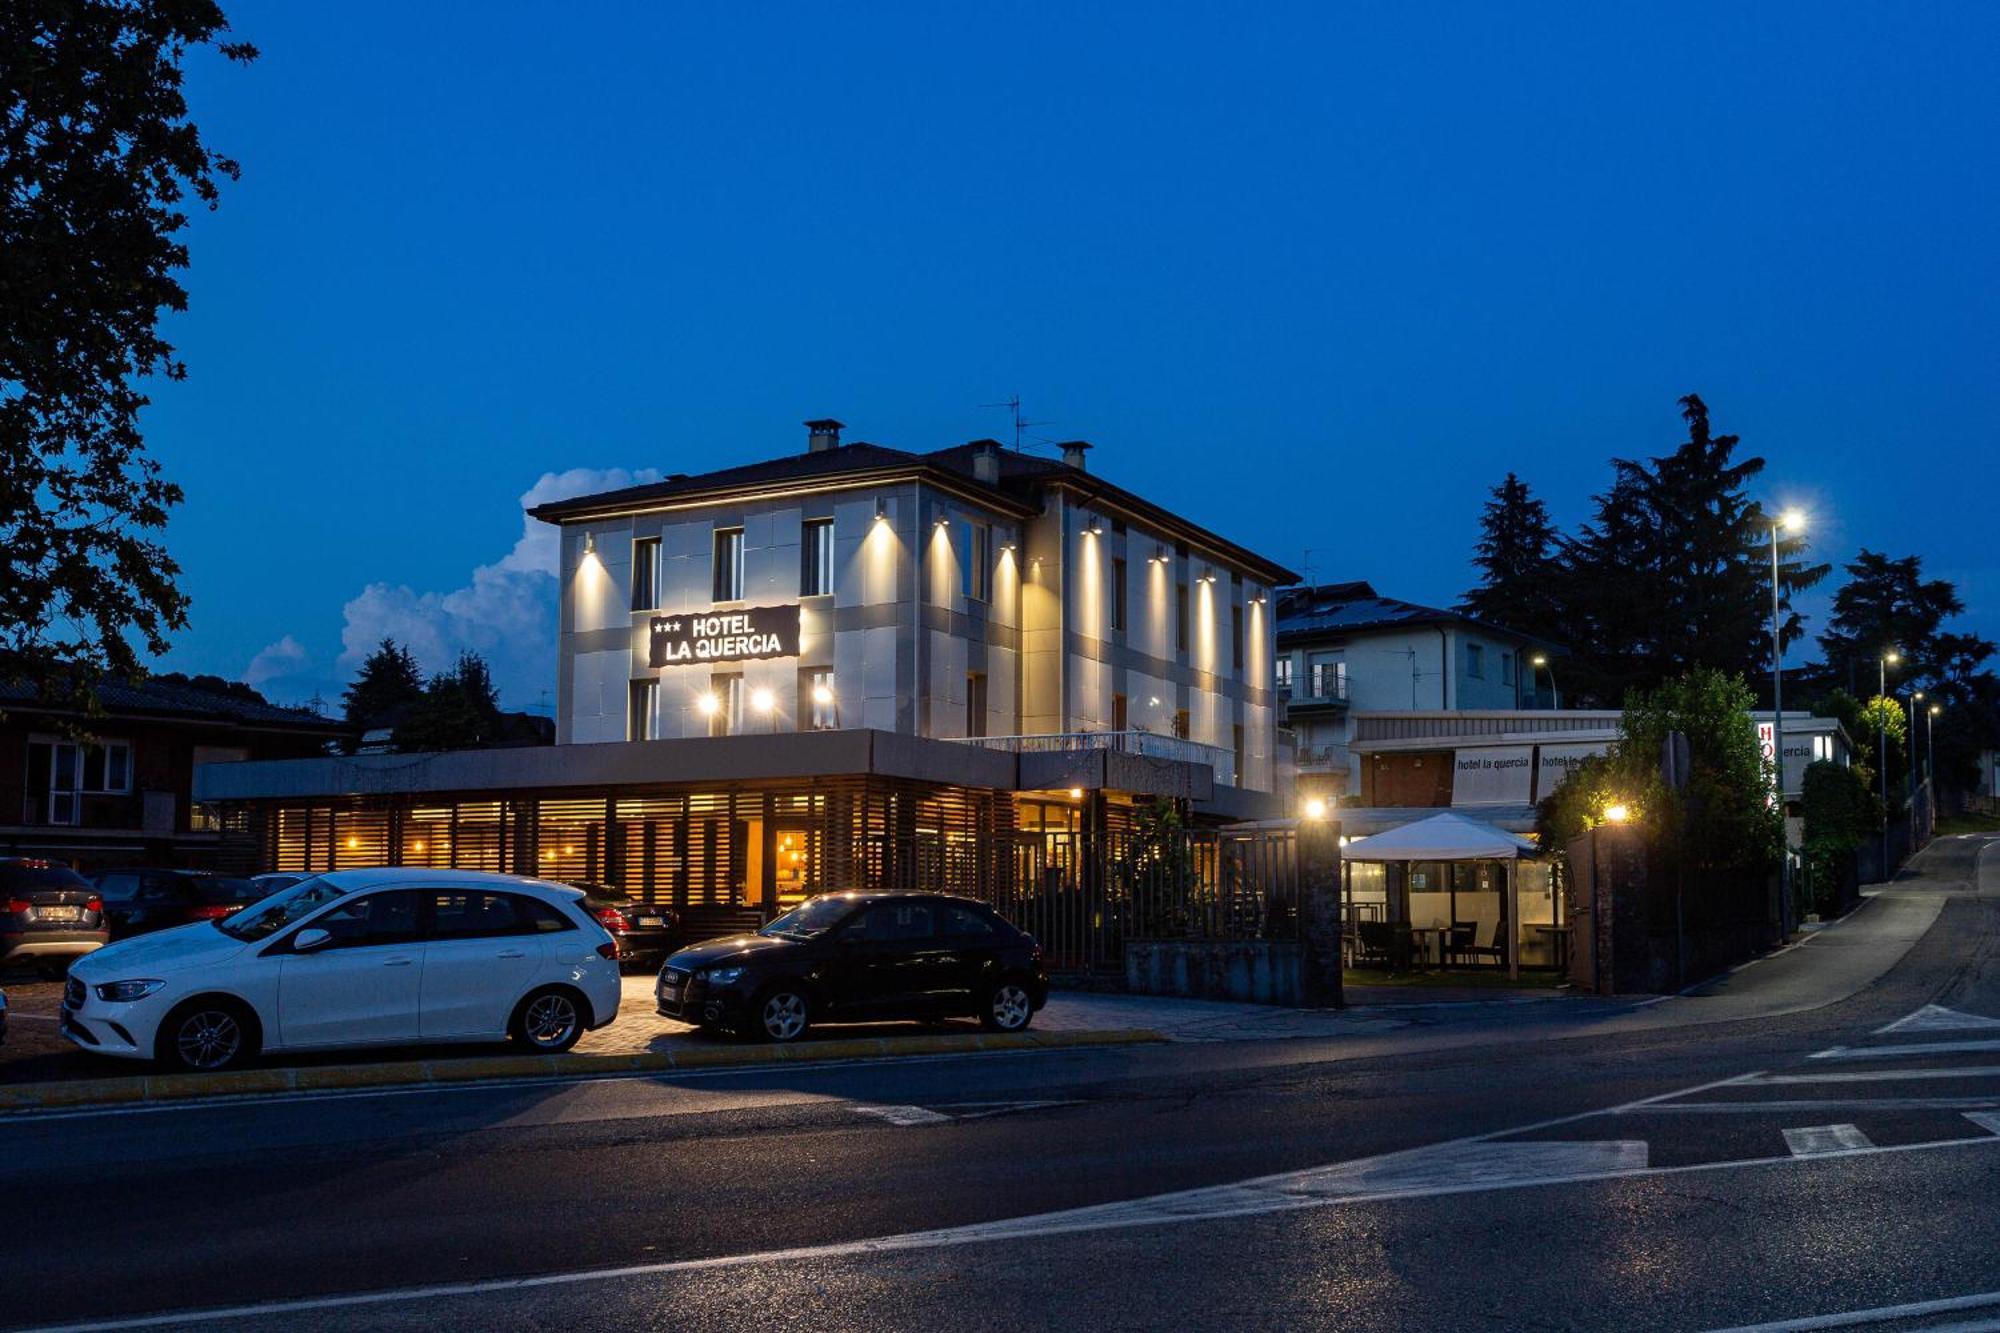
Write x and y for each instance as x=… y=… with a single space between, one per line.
x=506 y=610
x=283 y=660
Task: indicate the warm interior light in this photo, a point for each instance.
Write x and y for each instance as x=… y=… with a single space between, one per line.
x=763 y=701
x=1315 y=808
x=420 y=844
x=548 y=856
x=352 y=842
x=569 y=850
x=1616 y=814
x=1076 y=793
x=707 y=703
x=822 y=694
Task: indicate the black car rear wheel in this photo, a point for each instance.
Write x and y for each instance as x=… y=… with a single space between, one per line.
x=1008 y=1006
x=783 y=1014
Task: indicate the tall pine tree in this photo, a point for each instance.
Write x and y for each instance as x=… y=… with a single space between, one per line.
x=1516 y=560
x=388 y=683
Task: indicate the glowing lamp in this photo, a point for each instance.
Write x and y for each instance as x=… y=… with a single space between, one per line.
x=822 y=694
x=763 y=701
x=1617 y=814
x=1315 y=808
x=707 y=703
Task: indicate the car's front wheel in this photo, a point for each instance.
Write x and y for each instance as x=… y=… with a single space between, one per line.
x=207 y=1035
x=1008 y=1007
x=783 y=1014
x=548 y=1022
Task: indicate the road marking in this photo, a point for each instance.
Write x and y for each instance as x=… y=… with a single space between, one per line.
x=1907 y=1048
x=1986 y=1120
x=1875 y=1075
x=905 y=1115
x=1826 y=1104
x=1818 y=1140
x=1881 y=1314
x=1377 y=1179
x=1937 y=1018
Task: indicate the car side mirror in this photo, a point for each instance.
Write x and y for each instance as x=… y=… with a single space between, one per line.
x=308 y=940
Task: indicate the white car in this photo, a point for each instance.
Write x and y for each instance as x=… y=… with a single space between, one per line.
x=386 y=957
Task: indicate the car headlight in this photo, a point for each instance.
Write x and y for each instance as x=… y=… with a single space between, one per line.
x=722 y=976
x=121 y=992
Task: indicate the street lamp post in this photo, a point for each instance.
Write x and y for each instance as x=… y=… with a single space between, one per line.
x=1882 y=748
x=1540 y=661
x=1791 y=518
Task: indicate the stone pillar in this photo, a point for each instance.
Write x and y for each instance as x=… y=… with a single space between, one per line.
x=1319 y=903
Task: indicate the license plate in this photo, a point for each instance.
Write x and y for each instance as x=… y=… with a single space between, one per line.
x=652 y=921
x=671 y=994
x=58 y=914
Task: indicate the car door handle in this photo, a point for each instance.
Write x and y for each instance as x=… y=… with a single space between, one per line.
x=398 y=962
x=511 y=953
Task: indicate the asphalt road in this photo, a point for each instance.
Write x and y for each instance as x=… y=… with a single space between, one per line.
x=1507 y=1170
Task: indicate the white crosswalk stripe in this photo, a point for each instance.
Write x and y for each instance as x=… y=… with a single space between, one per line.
x=1816 y=1140
x=1937 y=1018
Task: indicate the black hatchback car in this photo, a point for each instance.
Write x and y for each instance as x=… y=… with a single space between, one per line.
x=860 y=958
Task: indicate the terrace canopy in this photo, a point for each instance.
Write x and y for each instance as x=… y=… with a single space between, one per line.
x=1451 y=837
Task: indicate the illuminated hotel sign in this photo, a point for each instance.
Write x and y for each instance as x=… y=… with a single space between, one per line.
x=726 y=636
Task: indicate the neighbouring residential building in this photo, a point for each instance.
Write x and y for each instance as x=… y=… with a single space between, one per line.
x=1343 y=648
x=118 y=789
x=847 y=666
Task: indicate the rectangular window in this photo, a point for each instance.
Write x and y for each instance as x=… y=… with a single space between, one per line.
x=1475 y=661
x=821 y=704
x=1120 y=712
x=645 y=573
x=1118 y=594
x=1238 y=738
x=1180 y=616
x=725 y=717
x=641 y=707
x=975 y=559
x=1329 y=679
x=975 y=703
x=1506 y=668
x=816 y=558
x=729 y=564
x=1282 y=677
x=61 y=773
x=1236 y=637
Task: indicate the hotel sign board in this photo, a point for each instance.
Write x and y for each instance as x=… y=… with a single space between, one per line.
x=748 y=635
x=1494 y=776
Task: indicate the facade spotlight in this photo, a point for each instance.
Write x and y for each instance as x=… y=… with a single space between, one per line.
x=822 y=694
x=707 y=703
x=589 y=542
x=881 y=511
x=1094 y=526
x=1315 y=808
x=1076 y=793
x=1158 y=557
x=763 y=700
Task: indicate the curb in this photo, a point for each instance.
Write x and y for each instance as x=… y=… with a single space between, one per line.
x=154 y=1088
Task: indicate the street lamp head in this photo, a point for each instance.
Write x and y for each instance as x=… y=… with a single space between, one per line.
x=1936 y=709
x=1315 y=808
x=1539 y=659
x=1792 y=520
x=1892 y=657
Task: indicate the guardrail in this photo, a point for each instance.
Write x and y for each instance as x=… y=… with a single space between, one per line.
x=1150 y=744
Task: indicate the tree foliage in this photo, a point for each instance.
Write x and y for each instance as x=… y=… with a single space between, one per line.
x=1723 y=821
x=1516 y=560
x=1840 y=813
x=459 y=709
x=388 y=684
x=1673 y=571
x=99 y=164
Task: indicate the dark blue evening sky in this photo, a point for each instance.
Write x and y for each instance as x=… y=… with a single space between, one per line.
x=1315 y=276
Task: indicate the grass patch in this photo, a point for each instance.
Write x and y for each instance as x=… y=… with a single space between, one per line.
x=1537 y=979
x=1969 y=822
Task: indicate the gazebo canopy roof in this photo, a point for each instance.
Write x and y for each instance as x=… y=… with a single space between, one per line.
x=1445 y=836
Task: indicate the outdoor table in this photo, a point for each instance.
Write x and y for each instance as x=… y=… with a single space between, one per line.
x=1560 y=941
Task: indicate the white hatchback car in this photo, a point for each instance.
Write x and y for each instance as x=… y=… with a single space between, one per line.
x=386 y=957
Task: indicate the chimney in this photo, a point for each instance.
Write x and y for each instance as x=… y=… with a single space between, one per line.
x=986 y=461
x=822 y=435
x=1073 y=452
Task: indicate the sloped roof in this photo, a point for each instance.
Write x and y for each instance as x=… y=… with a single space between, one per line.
x=1445 y=836
x=160 y=698
x=1335 y=607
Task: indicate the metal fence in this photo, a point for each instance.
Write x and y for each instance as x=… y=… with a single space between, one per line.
x=1083 y=895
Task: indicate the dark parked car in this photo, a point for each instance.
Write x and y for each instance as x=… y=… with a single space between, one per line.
x=49 y=915
x=858 y=958
x=644 y=933
x=138 y=901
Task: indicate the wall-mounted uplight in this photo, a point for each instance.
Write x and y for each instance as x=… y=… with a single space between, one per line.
x=881 y=511
x=707 y=704
x=1208 y=575
x=589 y=542
x=1158 y=557
x=944 y=520
x=1257 y=596
x=1094 y=527
x=822 y=693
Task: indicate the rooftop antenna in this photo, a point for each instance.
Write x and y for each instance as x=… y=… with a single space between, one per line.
x=1012 y=402
x=1306 y=566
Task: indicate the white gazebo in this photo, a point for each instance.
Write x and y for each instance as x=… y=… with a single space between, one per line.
x=1449 y=836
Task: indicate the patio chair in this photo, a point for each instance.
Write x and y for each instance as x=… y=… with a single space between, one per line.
x=1480 y=941
x=1385 y=944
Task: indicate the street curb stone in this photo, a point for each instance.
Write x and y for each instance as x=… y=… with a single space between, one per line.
x=140 y=1088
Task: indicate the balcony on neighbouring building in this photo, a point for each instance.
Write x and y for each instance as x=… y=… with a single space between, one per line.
x=1325 y=696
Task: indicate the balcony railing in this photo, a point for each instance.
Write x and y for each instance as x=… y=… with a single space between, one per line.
x=1150 y=744
x=1327 y=694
